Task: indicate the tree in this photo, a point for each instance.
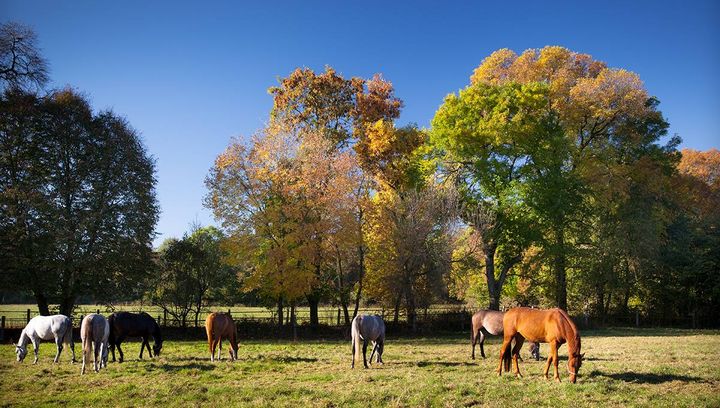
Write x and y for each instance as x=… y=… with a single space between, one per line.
x=21 y=64
x=78 y=200
x=408 y=250
x=593 y=104
x=192 y=273
x=489 y=139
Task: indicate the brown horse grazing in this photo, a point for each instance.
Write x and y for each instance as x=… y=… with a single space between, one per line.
x=219 y=326
x=491 y=322
x=552 y=326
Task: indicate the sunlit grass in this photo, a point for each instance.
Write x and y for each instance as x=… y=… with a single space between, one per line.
x=623 y=367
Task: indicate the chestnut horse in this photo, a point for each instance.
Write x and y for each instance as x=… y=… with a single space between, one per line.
x=552 y=326
x=219 y=326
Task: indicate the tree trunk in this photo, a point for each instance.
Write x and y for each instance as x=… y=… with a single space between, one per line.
x=346 y=313
x=361 y=254
x=67 y=304
x=42 y=303
x=293 y=321
x=314 y=301
x=560 y=272
x=493 y=290
x=396 y=318
x=280 y=312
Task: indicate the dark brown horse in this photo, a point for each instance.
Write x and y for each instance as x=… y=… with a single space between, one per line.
x=219 y=326
x=126 y=324
x=552 y=326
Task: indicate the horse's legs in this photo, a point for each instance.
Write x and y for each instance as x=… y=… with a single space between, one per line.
x=213 y=347
x=482 y=343
x=516 y=353
x=147 y=344
x=96 y=352
x=72 y=345
x=142 y=346
x=36 y=347
x=59 y=345
x=554 y=349
x=549 y=359
x=365 y=344
x=119 y=340
x=219 y=347
x=381 y=348
x=472 y=341
x=506 y=343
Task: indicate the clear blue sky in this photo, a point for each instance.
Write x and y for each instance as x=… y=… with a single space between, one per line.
x=191 y=75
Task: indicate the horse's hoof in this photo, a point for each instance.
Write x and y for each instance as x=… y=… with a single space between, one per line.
x=557 y=379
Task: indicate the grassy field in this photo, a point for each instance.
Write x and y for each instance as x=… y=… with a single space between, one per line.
x=623 y=367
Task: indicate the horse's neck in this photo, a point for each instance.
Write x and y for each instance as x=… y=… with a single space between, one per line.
x=24 y=339
x=156 y=334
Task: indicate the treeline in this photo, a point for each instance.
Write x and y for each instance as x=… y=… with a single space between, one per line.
x=550 y=180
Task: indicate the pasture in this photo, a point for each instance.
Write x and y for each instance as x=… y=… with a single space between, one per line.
x=623 y=367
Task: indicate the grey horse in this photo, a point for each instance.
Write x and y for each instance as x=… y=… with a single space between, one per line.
x=94 y=332
x=57 y=328
x=365 y=329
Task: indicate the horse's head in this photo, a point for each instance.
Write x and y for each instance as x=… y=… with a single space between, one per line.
x=21 y=353
x=157 y=347
x=574 y=363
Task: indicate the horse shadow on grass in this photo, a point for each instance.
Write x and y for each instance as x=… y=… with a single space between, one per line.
x=168 y=367
x=647 y=378
x=441 y=364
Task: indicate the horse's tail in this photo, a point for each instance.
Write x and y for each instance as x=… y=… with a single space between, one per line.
x=355 y=335
x=111 y=335
x=209 y=323
x=86 y=334
x=507 y=357
x=68 y=336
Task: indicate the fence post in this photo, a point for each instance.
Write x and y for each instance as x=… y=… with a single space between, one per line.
x=637 y=318
x=28 y=316
x=159 y=319
x=165 y=317
x=338 y=317
x=98 y=311
x=2 y=328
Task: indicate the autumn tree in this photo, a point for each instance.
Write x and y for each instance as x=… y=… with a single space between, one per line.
x=594 y=105
x=340 y=111
x=78 y=200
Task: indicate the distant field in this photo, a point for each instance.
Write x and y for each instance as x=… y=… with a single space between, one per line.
x=16 y=313
x=623 y=367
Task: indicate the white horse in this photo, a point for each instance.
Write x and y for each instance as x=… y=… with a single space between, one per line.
x=94 y=332
x=368 y=328
x=57 y=327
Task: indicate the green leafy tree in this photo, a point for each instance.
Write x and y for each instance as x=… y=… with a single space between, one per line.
x=78 y=199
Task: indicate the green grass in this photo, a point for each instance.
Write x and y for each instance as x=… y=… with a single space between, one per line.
x=638 y=367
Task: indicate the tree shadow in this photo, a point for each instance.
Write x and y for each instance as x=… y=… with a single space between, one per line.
x=647 y=378
x=288 y=359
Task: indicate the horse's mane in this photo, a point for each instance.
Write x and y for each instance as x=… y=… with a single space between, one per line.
x=575 y=332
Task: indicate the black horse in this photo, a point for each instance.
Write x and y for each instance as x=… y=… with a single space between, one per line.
x=126 y=324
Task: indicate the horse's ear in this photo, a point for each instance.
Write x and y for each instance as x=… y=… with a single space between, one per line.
x=582 y=356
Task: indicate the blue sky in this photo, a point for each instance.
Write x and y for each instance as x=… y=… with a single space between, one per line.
x=191 y=75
